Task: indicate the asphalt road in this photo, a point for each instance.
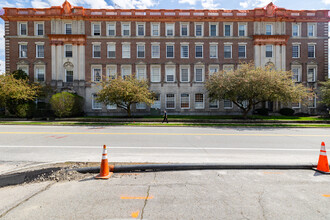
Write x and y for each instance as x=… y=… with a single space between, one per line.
x=35 y=144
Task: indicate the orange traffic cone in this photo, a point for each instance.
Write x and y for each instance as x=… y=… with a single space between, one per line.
x=323 y=165
x=104 y=170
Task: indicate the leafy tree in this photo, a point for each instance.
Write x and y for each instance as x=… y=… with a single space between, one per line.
x=66 y=104
x=325 y=92
x=20 y=74
x=125 y=92
x=250 y=85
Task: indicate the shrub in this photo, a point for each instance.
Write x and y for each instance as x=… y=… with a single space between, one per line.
x=261 y=111
x=25 y=110
x=66 y=104
x=287 y=111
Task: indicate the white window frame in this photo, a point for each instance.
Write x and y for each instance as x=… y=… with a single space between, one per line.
x=299 y=29
x=152 y=29
x=36 y=28
x=123 y=46
x=202 y=31
x=269 y=45
x=224 y=29
x=140 y=67
x=216 y=50
x=199 y=45
x=293 y=45
x=228 y=67
x=24 y=67
x=182 y=103
x=157 y=103
x=315 y=72
x=170 y=44
x=314 y=45
x=181 y=24
x=167 y=67
x=99 y=45
x=195 y=73
x=167 y=25
x=241 y=45
x=36 y=73
x=93 y=28
x=299 y=68
x=314 y=29
x=181 y=51
x=141 y=106
x=96 y=105
x=314 y=102
x=96 y=67
x=112 y=107
x=19 y=26
x=174 y=98
x=245 y=28
x=185 y=67
x=152 y=75
x=108 y=29
x=65 y=50
x=20 y=49
x=152 y=50
x=296 y=107
x=231 y=50
x=216 y=29
x=40 y=44
x=66 y=71
x=225 y=107
x=124 y=67
x=271 y=29
x=122 y=29
x=137 y=29
x=213 y=66
x=217 y=103
x=65 y=29
x=195 y=101
x=110 y=69
x=137 y=50
x=109 y=45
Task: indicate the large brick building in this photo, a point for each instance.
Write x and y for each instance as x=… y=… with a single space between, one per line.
x=175 y=50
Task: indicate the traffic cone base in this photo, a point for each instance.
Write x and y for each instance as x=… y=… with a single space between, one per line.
x=104 y=177
x=320 y=171
x=323 y=165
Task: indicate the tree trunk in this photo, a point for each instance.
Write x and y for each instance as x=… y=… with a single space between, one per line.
x=128 y=110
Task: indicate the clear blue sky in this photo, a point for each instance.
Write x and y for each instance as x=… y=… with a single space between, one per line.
x=156 y=4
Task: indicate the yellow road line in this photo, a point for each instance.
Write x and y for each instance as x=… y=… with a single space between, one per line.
x=326 y=195
x=167 y=134
x=135 y=197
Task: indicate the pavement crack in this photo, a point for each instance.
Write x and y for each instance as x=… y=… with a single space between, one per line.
x=260 y=204
x=146 y=199
x=27 y=199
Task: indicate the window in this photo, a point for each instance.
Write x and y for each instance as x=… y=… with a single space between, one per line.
x=199 y=74
x=296 y=105
x=24 y=68
x=111 y=29
x=97 y=74
x=95 y=104
x=68 y=50
x=155 y=74
x=269 y=50
x=112 y=71
x=184 y=73
x=198 y=30
x=69 y=76
x=140 y=29
x=155 y=51
x=126 y=51
x=154 y=29
x=68 y=28
x=96 y=51
x=213 y=30
x=170 y=73
x=40 y=73
x=242 y=30
x=141 y=72
x=112 y=106
x=227 y=104
x=311 y=30
x=169 y=29
x=311 y=74
x=241 y=51
x=295 y=30
x=296 y=73
x=185 y=29
x=214 y=104
x=199 y=51
x=269 y=29
x=126 y=27
x=170 y=101
x=311 y=51
x=157 y=102
x=140 y=51
x=295 y=51
x=141 y=105
x=185 y=101
x=227 y=51
x=23 y=29
x=39 y=29
x=228 y=68
x=96 y=29
x=169 y=51
x=23 y=50
x=111 y=50
x=40 y=51
x=126 y=71
x=184 y=51
x=227 y=30
x=199 y=101
x=213 y=51
x=312 y=101
x=213 y=69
